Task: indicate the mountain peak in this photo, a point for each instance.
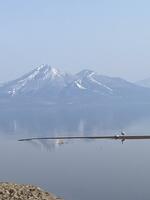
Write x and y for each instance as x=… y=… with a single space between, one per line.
x=47 y=71
x=37 y=79
x=43 y=66
x=86 y=73
x=48 y=83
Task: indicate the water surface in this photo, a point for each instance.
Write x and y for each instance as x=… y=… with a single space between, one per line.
x=78 y=170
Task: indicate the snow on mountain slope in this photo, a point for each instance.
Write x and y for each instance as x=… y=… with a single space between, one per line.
x=48 y=83
x=88 y=84
x=104 y=85
x=43 y=77
x=87 y=80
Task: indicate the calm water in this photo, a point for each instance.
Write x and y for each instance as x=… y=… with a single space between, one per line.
x=79 y=170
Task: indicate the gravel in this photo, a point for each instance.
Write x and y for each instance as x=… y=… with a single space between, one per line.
x=11 y=191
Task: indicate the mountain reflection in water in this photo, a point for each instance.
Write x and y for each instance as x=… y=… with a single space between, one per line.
x=78 y=170
x=84 y=121
x=47 y=144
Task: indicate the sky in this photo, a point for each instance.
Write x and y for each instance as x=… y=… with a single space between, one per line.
x=111 y=37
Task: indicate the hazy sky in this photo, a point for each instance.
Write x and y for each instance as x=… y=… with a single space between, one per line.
x=111 y=37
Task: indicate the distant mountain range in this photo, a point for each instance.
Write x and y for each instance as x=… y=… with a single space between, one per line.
x=47 y=84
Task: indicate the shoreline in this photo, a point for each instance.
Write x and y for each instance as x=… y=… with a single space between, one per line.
x=24 y=192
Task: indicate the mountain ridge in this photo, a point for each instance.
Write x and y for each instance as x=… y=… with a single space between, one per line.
x=144 y=83
x=50 y=84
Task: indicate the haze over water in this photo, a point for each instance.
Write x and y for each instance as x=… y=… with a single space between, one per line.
x=78 y=170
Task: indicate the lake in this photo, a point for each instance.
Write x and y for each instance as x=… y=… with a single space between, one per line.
x=78 y=170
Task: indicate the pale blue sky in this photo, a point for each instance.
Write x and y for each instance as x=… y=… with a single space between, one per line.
x=111 y=37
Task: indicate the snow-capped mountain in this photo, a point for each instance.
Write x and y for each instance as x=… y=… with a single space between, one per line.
x=50 y=84
x=88 y=84
x=42 y=80
x=89 y=80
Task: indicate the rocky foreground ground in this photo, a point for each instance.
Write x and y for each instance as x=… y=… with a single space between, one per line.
x=10 y=191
